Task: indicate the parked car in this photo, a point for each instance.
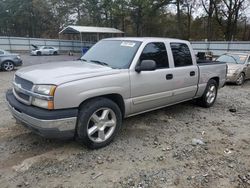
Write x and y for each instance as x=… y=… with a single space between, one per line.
x=117 y=78
x=44 y=50
x=9 y=61
x=238 y=66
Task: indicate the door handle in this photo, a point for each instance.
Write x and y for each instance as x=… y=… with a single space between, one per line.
x=169 y=76
x=192 y=73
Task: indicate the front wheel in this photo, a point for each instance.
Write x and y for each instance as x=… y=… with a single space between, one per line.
x=209 y=96
x=99 y=121
x=8 y=66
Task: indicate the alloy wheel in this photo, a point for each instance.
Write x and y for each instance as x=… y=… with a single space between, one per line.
x=211 y=94
x=8 y=66
x=101 y=125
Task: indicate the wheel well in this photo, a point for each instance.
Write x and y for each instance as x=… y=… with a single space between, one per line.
x=117 y=98
x=217 y=79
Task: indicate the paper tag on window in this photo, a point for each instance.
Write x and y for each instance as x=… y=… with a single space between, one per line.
x=128 y=44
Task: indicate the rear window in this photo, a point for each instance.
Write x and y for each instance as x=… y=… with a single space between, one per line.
x=181 y=54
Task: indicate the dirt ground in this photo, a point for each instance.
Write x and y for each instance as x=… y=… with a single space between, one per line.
x=156 y=149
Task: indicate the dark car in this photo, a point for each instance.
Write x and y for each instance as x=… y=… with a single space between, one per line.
x=9 y=61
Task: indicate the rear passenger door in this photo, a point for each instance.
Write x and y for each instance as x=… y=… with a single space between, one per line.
x=186 y=74
x=152 y=89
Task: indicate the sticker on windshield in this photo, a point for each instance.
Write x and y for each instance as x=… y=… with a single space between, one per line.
x=128 y=44
x=243 y=58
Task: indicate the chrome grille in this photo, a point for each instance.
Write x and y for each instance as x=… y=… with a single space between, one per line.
x=20 y=87
x=23 y=96
x=25 y=84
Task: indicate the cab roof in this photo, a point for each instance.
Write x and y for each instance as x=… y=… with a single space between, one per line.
x=147 y=39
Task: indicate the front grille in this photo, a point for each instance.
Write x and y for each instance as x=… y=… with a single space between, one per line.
x=22 y=96
x=25 y=84
x=19 y=87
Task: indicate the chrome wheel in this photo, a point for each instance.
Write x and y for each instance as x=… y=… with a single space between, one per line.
x=211 y=94
x=101 y=125
x=240 y=80
x=8 y=66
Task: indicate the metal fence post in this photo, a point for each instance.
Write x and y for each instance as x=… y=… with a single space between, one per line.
x=9 y=44
x=29 y=44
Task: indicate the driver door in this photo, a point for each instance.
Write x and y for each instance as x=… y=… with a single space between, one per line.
x=152 y=89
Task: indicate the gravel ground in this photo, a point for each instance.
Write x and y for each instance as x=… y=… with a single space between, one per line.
x=156 y=149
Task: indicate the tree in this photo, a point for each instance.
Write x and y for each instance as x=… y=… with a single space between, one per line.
x=208 y=6
x=227 y=13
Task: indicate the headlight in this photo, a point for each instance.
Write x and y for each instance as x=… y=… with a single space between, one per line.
x=46 y=91
x=18 y=57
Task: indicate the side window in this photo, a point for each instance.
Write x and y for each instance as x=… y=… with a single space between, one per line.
x=1 y=52
x=156 y=51
x=181 y=54
x=249 y=60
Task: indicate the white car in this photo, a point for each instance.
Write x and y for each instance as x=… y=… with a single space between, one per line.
x=44 y=50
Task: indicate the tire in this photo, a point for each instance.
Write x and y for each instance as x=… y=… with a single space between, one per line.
x=99 y=121
x=55 y=53
x=241 y=79
x=8 y=66
x=39 y=53
x=210 y=94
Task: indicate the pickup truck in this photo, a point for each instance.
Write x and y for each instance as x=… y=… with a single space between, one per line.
x=117 y=78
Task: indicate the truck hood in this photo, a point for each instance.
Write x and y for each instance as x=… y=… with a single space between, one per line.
x=62 y=72
x=232 y=66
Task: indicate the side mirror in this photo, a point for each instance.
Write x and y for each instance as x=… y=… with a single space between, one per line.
x=146 y=65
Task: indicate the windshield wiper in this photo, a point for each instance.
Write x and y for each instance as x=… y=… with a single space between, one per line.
x=100 y=62
x=82 y=59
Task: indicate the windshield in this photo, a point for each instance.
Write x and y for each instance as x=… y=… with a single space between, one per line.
x=116 y=54
x=233 y=58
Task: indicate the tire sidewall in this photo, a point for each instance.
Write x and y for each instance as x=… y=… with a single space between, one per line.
x=204 y=98
x=87 y=111
x=39 y=53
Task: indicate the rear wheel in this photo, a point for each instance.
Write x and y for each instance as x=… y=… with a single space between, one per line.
x=55 y=53
x=209 y=96
x=8 y=66
x=99 y=121
x=240 y=80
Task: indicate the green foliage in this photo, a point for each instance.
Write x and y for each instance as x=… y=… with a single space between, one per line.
x=36 y=18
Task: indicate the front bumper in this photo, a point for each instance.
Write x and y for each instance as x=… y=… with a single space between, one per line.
x=33 y=52
x=49 y=124
x=18 y=62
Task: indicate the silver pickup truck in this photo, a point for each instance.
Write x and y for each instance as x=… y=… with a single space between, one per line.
x=117 y=78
